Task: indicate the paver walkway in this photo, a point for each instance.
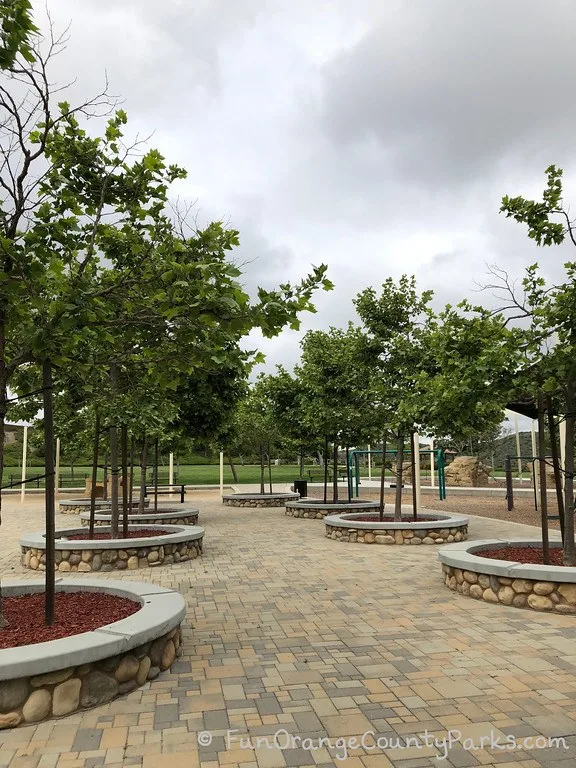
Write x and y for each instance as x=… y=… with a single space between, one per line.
x=290 y=632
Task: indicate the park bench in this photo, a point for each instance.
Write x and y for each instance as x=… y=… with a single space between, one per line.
x=317 y=475
x=150 y=490
x=72 y=481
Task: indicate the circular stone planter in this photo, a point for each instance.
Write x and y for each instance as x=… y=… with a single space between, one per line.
x=59 y=677
x=77 y=506
x=539 y=587
x=164 y=516
x=430 y=528
x=316 y=509
x=258 y=500
x=174 y=544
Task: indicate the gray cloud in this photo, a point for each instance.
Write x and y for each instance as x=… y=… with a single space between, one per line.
x=449 y=89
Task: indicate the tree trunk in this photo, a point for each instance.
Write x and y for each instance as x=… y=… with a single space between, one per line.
x=50 y=590
x=555 y=463
x=413 y=472
x=269 y=469
x=325 y=468
x=382 y=478
x=301 y=469
x=262 y=488
x=232 y=467
x=114 y=490
x=335 y=470
x=569 y=550
x=94 y=473
x=3 y=408
x=399 y=467
x=543 y=494
x=131 y=483
x=320 y=456
x=156 y=475
x=143 y=470
x=124 y=452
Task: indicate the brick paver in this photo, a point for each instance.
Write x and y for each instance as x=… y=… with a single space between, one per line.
x=292 y=634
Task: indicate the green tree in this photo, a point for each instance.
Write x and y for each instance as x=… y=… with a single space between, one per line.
x=335 y=399
x=396 y=324
x=285 y=394
x=551 y=312
x=16 y=30
x=95 y=272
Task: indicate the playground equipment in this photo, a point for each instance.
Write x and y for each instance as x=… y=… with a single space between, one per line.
x=354 y=468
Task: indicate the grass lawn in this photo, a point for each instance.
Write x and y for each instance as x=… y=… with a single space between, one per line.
x=199 y=474
x=202 y=474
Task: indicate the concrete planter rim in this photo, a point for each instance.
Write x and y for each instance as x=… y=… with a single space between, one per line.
x=147 y=515
x=161 y=610
x=86 y=502
x=444 y=521
x=320 y=505
x=461 y=555
x=168 y=534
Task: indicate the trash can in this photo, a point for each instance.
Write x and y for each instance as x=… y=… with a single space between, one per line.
x=301 y=487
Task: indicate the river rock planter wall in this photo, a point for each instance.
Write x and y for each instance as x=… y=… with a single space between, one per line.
x=172 y=516
x=310 y=509
x=258 y=500
x=174 y=544
x=430 y=528
x=77 y=506
x=538 y=587
x=59 y=677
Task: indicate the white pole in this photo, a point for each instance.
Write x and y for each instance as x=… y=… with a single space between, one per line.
x=57 y=467
x=221 y=473
x=535 y=464
x=417 y=478
x=24 y=452
x=171 y=469
x=518 y=445
x=369 y=463
x=432 y=481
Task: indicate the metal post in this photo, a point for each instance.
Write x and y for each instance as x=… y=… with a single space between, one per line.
x=432 y=480
x=357 y=473
x=24 y=460
x=509 y=487
x=221 y=473
x=57 y=470
x=369 y=463
x=171 y=470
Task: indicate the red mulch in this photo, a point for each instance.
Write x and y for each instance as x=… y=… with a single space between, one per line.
x=532 y=555
x=76 y=612
x=140 y=533
x=388 y=519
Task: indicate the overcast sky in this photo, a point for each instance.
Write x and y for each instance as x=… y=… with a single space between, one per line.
x=377 y=136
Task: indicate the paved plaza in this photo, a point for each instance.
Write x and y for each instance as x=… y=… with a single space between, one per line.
x=318 y=642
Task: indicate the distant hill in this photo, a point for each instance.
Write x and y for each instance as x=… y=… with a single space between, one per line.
x=506 y=446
